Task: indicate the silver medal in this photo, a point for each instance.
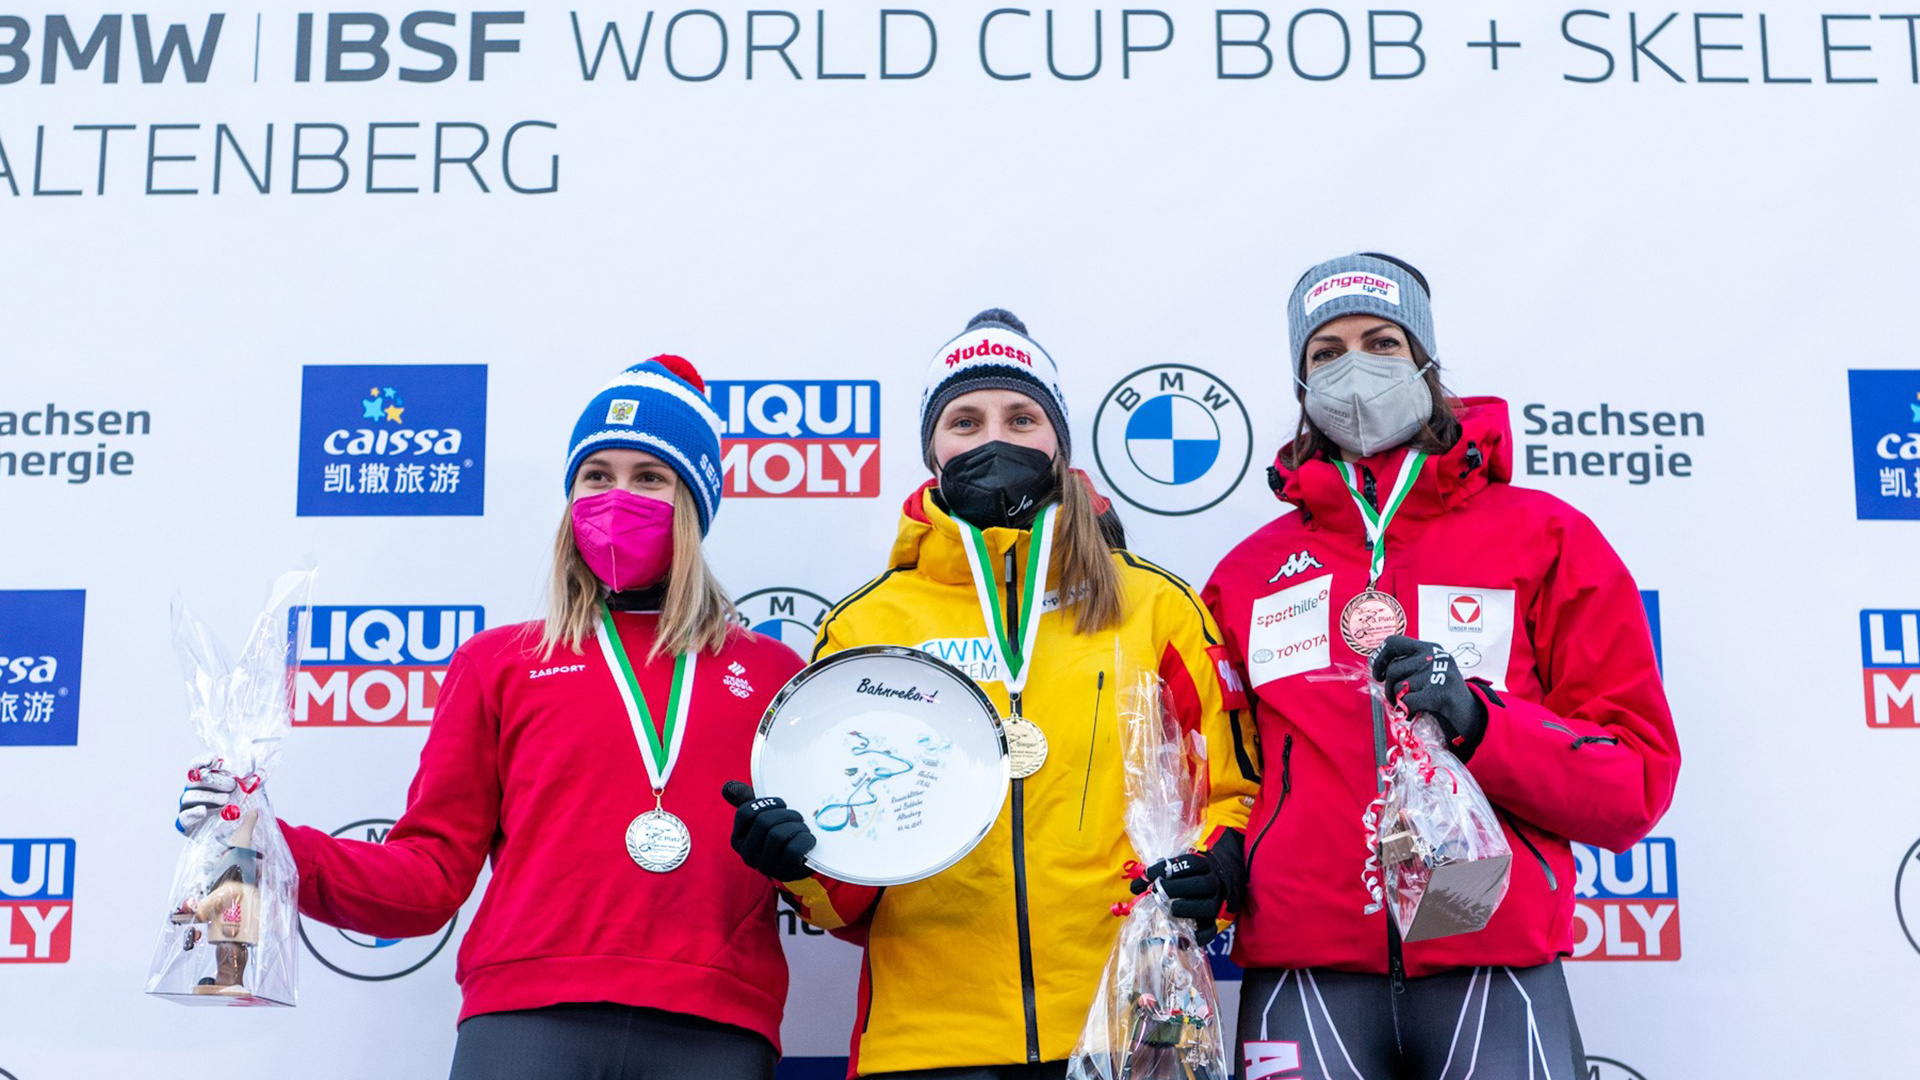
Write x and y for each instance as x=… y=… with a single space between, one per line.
x=658 y=841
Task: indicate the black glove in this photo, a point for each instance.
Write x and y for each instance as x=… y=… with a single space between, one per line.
x=1423 y=677
x=1201 y=883
x=769 y=837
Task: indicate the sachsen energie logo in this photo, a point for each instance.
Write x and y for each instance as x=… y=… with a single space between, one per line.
x=1626 y=906
x=375 y=666
x=1890 y=667
x=41 y=634
x=1886 y=443
x=36 y=901
x=393 y=440
x=799 y=438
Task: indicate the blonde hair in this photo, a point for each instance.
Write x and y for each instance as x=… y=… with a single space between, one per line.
x=1082 y=556
x=695 y=614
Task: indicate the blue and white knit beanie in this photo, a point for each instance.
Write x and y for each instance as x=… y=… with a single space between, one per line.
x=992 y=353
x=658 y=406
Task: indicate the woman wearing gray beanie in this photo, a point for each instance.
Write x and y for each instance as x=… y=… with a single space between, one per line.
x=986 y=970
x=1499 y=611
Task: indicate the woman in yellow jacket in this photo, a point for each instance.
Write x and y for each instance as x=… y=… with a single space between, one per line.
x=989 y=967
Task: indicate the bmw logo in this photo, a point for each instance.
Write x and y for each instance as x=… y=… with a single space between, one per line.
x=371 y=959
x=789 y=616
x=1172 y=439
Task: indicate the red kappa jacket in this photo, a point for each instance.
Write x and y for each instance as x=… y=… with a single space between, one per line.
x=1528 y=596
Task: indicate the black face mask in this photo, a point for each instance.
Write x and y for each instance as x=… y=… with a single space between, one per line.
x=997 y=484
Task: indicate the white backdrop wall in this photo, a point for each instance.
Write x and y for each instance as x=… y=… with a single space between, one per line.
x=1651 y=241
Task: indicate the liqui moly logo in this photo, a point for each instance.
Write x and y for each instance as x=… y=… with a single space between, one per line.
x=1353 y=284
x=375 y=666
x=1890 y=667
x=1626 y=906
x=799 y=438
x=36 y=901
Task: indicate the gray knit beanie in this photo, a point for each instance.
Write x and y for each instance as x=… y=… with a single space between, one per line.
x=1359 y=284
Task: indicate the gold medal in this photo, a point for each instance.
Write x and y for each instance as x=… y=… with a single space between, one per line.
x=1026 y=746
x=1369 y=619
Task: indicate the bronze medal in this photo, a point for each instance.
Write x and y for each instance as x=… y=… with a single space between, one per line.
x=1369 y=619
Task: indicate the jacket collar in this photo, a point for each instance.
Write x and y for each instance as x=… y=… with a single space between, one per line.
x=1482 y=455
x=929 y=537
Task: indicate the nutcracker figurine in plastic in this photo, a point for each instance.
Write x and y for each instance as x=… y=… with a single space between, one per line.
x=230 y=909
x=1173 y=1033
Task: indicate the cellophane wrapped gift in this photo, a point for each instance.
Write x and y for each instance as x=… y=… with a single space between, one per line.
x=230 y=934
x=1155 y=1014
x=1440 y=861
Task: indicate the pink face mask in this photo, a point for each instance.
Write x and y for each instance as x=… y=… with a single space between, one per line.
x=626 y=539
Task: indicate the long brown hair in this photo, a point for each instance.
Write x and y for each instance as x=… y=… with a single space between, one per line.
x=1437 y=433
x=695 y=613
x=1082 y=557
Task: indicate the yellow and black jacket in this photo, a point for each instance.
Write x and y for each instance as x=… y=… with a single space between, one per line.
x=994 y=961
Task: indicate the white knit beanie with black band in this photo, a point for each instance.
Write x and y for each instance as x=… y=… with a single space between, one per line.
x=993 y=353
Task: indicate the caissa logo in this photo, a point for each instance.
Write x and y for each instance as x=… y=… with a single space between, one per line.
x=371 y=959
x=1220 y=957
x=799 y=438
x=1885 y=407
x=41 y=635
x=789 y=616
x=393 y=440
x=375 y=666
x=1172 y=439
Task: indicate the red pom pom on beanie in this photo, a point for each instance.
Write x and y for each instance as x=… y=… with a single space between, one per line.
x=682 y=367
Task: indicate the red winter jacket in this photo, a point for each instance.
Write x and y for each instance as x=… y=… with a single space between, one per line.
x=1526 y=594
x=533 y=762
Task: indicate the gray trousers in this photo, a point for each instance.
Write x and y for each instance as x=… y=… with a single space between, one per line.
x=1488 y=1023
x=603 y=1041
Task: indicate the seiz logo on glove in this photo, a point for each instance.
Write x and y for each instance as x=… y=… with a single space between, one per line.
x=1445 y=696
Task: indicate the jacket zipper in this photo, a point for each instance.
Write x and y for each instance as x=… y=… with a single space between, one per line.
x=1371 y=490
x=1553 y=883
x=1093 y=740
x=1020 y=850
x=1396 y=964
x=1286 y=788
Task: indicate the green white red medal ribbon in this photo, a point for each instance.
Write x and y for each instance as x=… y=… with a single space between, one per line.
x=1015 y=650
x=1377 y=520
x=659 y=749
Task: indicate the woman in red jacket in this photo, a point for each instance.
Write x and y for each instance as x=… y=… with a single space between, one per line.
x=1500 y=611
x=619 y=937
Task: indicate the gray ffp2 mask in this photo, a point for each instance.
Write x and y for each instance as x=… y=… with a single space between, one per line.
x=1367 y=403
